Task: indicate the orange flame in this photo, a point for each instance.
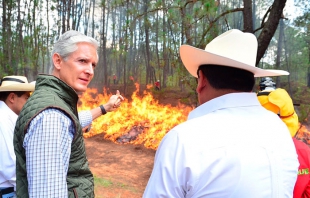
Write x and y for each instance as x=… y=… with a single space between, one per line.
x=157 y=119
x=303 y=134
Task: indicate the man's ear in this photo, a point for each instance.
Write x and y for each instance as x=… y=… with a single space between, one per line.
x=202 y=82
x=57 y=60
x=11 y=98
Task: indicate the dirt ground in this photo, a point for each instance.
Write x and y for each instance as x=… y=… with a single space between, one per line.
x=127 y=167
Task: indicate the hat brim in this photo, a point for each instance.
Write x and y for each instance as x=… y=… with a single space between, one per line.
x=18 y=87
x=193 y=57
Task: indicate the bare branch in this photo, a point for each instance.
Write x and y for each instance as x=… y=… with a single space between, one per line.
x=155 y=10
x=202 y=43
x=263 y=20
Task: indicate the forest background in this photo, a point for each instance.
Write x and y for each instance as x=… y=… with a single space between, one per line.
x=140 y=40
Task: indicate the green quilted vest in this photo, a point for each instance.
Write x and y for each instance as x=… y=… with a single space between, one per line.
x=51 y=92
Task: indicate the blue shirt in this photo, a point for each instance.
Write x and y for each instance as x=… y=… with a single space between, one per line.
x=47 y=145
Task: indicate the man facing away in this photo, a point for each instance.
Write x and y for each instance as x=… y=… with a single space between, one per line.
x=14 y=92
x=278 y=101
x=48 y=141
x=221 y=151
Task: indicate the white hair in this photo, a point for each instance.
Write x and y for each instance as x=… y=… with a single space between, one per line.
x=67 y=44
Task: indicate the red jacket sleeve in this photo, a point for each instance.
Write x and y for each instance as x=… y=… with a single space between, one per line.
x=302 y=186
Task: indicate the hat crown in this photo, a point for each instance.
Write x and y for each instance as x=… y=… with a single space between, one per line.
x=15 y=83
x=235 y=45
x=9 y=80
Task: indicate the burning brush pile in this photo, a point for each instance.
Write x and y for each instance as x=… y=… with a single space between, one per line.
x=141 y=121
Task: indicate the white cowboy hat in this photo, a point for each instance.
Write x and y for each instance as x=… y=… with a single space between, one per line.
x=15 y=83
x=232 y=48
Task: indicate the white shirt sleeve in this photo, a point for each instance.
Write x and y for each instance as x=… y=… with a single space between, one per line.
x=168 y=171
x=8 y=159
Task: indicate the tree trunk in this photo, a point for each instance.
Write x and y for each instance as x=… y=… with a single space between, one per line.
x=254 y=14
x=68 y=14
x=147 y=45
x=279 y=49
x=286 y=61
x=125 y=50
x=104 y=43
x=47 y=38
x=186 y=26
x=93 y=20
x=156 y=47
x=87 y=16
x=21 y=50
x=247 y=16
x=165 y=54
x=308 y=84
x=269 y=28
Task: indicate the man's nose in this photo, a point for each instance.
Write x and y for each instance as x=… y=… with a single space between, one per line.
x=90 y=70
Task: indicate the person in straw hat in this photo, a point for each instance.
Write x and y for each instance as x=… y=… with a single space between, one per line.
x=14 y=92
x=48 y=138
x=221 y=150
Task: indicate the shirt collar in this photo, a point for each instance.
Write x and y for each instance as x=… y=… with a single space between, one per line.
x=226 y=101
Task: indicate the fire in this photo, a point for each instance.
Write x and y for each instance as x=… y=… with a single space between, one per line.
x=146 y=112
x=303 y=134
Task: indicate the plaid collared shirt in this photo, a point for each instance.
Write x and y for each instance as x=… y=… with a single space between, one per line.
x=48 y=147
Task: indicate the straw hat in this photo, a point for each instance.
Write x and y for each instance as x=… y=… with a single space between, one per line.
x=232 y=48
x=15 y=83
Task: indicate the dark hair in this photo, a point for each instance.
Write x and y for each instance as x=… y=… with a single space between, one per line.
x=225 y=77
x=4 y=95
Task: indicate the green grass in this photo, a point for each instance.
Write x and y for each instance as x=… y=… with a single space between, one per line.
x=100 y=182
x=109 y=184
x=105 y=183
